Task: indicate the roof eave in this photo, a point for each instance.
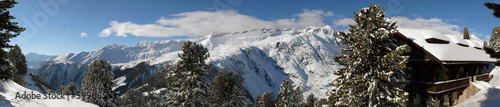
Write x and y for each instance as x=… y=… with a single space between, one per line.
x=468 y=62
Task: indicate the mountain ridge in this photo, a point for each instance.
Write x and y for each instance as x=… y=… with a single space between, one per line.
x=36 y=60
x=264 y=57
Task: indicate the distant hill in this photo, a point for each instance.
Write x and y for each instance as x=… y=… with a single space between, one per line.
x=35 y=60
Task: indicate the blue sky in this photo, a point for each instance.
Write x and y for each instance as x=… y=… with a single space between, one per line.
x=57 y=27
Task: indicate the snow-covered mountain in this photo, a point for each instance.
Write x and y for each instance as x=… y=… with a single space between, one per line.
x=71 y=67
x=264 y=58
x=35 y=60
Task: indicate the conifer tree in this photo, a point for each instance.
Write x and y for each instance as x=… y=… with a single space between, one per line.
x=495 y=7
x=485 y=44
x=299 y=98
x=493 y=47
x=132 y=98
x=310 y=100
x=286 y=95
x=8 y=30
x=98 y=80
x=187 y=85
x=322 y=102
x=265 y=100
x=372 y=72
x=17 y=58
x=153 y=99
x=18 y=61
x=495 y=39
x=70 y=89
x=466 y=33
x=227 y=90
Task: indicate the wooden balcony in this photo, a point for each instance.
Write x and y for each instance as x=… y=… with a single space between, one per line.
x=483 y=77
x=437 y=87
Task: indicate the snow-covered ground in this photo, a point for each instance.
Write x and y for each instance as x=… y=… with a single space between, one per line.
x=488 y=95
x=8 y=90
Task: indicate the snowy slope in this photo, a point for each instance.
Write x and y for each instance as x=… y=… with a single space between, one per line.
x=8 y=90
x=268 y=56
x=488 y=95
x=264 y=57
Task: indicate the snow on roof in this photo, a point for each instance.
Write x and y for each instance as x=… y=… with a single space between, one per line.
x=434 y=35
x=474 y=44
x=450 y=51
x=457 y=40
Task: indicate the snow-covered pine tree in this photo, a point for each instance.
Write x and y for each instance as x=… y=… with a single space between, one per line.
x=466 y=33
x=485 y=44
x=8 y=30
x=299 y=98
x=373 y=64
x=98 y=80
x=495 y=39
x=187 y=85
x=154 y=99
x=132 y=98
x=286 y=95
x=71 y=89
x=324 y=102
x=493 y=47
x=495 y=7
x=265 y=100
x=17 y=58
x=227 y=90
x=310 y=100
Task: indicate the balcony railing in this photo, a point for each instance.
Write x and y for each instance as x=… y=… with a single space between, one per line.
x=483 y=77
x=438 y=87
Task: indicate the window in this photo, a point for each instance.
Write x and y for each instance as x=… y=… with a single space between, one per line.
x=461 y=72
x=440 y=74
x=485 y=69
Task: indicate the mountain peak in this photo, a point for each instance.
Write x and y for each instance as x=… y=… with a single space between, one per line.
x=32 y=53
x=114 y=45
x=143 y=43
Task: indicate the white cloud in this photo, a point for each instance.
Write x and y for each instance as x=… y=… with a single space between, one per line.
x=432 y=23
x=344 y=22
x=418 y=23
x=83 y=34
x=199 y=23
x=440 y=25
x=149 y=30
x=477 y=34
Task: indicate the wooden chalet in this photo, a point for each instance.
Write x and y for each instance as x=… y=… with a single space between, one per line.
x=441 y=66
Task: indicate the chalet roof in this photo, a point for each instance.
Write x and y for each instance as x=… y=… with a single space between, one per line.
x=452 y=48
